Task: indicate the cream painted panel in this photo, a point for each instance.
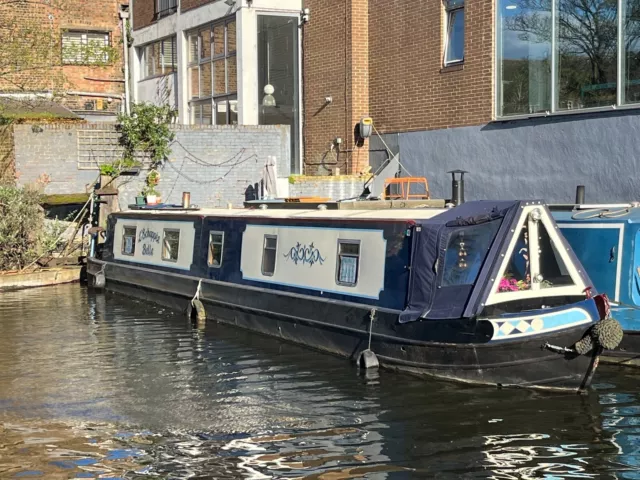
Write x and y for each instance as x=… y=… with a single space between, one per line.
x=149 y=235
x=315 y=275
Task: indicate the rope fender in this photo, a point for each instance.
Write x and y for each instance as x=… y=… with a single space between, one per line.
x=607 y=333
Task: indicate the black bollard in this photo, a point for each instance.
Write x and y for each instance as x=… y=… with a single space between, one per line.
x=457 y=186
x=580 y=195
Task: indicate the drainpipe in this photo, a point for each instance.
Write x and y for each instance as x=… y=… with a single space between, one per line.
x=124 y=17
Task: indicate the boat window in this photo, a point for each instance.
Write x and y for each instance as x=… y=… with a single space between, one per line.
x=517 y=276
x=170 y=245
x=216 y=241
x=269 y=255
x=553 y=271
x=467 y=248
x=129 y=240
x=348 y=262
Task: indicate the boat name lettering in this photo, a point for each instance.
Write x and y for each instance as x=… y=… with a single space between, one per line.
x=147 y=250
x=150 y=234
x=305 y=255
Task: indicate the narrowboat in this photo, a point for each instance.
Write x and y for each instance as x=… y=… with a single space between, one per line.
x=487 y=292
x=606 y=240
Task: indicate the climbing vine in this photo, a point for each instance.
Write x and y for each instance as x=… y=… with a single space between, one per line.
x=145 y=132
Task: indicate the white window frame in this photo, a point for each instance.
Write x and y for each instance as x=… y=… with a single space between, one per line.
x=164 y=69
x=339 y=263
x=450 y=10
x=164 y=249
x=85 y=39
x=221 y=243
x=275 y=254
x=214 y=99
x=162 y=10
x=578 y=287
x=124 y=236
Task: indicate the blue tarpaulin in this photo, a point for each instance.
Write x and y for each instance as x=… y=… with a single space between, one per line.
x=452 y=255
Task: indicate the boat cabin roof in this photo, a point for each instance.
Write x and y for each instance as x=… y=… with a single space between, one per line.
x=609 y=213
x=390 y=214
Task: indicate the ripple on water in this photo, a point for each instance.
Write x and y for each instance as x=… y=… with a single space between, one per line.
x=99 y=385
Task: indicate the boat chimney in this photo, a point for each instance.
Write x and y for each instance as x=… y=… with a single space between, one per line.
x=186 y=199
x=580 y=195
x=457 y=186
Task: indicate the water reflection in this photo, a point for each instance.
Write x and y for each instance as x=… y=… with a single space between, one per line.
x=101 y=376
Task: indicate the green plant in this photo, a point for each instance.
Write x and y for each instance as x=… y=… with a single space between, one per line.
x=146 y=130
x=116 y=168
x=149 y=190
x=153 y=178
x=24 y=235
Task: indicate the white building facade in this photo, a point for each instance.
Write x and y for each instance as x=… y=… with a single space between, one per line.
x=226 y=62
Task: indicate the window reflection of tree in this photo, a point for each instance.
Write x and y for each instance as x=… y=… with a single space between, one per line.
x=586 y=46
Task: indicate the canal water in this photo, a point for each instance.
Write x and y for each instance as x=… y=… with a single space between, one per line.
x=96 y=385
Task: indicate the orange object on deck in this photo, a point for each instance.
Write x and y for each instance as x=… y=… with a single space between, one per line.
x=404 y=185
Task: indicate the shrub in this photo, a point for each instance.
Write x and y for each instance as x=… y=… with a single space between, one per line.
x=23 y=236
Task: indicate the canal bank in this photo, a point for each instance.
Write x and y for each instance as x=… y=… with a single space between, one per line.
x=39 y=278
x=224 y=403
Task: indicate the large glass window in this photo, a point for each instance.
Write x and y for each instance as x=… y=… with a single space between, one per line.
x=212 y=74
x=631 y=54
x=560 y=55
x=454 y=46
x=587 y=53
x=85 y=48
x=160 y=58
x=524 y=56
x=278 y=83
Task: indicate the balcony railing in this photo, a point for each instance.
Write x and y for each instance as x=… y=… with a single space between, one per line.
x=166 y=7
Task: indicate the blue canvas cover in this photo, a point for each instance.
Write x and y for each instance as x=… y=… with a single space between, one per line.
x=439 y=288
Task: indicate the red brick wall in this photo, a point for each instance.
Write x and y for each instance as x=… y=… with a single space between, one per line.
x=409 y=89
x=143 y=12
x=54 y=17
x=189 y=4
x=386 y=59
x=335 y=65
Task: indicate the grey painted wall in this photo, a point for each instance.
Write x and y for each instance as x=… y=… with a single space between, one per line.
x=216 y=164
x=533 y=159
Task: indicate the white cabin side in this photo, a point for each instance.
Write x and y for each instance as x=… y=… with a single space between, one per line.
x=162 y=243
x=332 y=260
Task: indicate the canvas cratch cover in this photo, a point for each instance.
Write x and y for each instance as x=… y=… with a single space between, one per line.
x=451 y=258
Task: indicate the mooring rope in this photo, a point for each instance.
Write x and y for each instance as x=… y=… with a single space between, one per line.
x=197 y=295
x=372 y=316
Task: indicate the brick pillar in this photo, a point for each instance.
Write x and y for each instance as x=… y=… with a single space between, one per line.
x=357 y=81
x=336 y=65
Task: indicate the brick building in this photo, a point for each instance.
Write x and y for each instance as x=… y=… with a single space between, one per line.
x=68 y=50
x=529 y=97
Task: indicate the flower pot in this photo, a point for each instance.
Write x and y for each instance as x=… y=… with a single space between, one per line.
x=140 y=200
x=152 y=199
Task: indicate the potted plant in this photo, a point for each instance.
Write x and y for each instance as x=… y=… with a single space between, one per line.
x=151 y=194
x=140 y=200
